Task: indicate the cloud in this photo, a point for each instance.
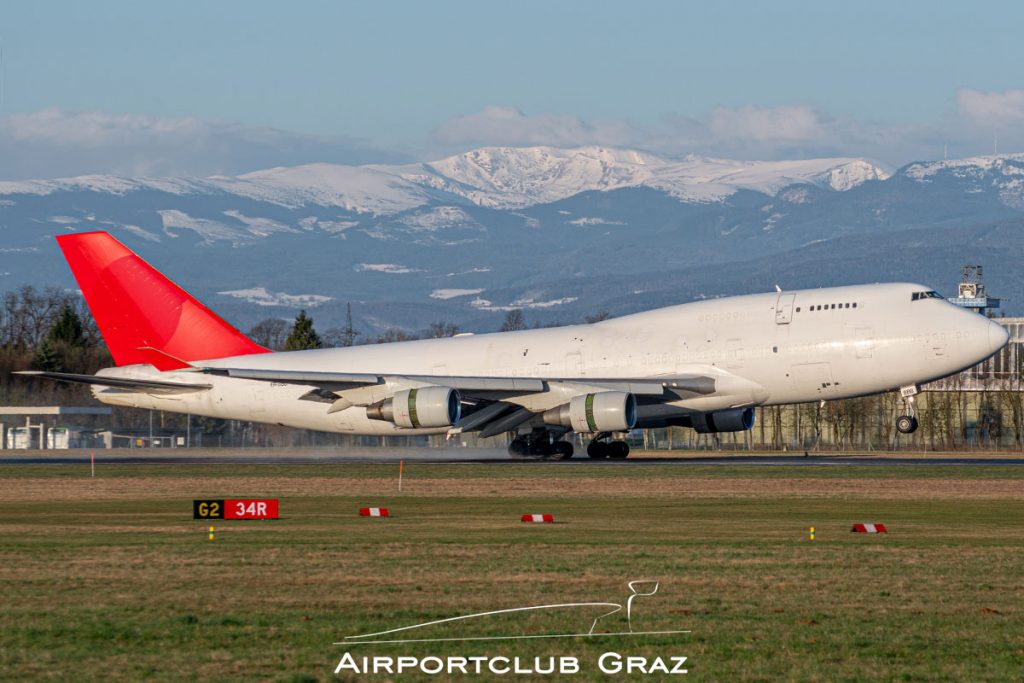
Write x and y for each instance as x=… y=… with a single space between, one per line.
x=754 y=132
x=747 y=132
x=768 y=124
x=991 y=108
x=54 y=143
x=499 y=125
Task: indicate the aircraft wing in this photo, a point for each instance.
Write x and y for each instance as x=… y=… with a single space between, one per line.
x=493 y=412
x=347 y=380
x=332 y=384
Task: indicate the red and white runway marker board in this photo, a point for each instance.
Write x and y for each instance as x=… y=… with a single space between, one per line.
x=538 y=518
x=868 y=529
x=373 y=512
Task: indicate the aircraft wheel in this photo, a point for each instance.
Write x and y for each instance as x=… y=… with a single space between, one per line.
x=619 y=450
x=519 y=448
x=906 y=424
x=563 y=450
x=597 y=450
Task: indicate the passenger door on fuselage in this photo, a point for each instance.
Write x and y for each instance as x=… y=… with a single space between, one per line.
x=784 y=308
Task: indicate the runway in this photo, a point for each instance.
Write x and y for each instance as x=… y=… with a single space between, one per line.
x=377 y=456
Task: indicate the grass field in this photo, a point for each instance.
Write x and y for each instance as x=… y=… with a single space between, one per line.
x=110 y=578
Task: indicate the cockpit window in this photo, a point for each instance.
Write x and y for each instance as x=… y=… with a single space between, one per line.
x=916 y=296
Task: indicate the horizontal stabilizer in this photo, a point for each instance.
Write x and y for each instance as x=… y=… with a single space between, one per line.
x=148 y=386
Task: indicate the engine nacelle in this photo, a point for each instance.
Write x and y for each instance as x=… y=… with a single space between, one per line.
x=736 y=420
x=606 y=411
x=421 y=407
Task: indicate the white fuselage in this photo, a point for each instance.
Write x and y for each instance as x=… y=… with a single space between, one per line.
x=763 y=349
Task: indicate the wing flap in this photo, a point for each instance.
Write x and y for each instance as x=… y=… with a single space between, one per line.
x=506 y=423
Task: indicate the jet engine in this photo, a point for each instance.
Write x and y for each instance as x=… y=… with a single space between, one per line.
x=605 y=411
x=421 y=407
x=736 y=420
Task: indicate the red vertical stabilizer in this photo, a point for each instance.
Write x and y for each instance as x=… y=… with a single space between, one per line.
x=143 y=316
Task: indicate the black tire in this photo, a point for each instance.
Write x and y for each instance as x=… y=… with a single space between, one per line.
x=906 y=424
x=597 y=450
x=618 y=450
x=519 y=448
x=563 y=450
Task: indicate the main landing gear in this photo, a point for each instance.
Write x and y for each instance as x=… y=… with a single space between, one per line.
x=540 y=444
x=544 y=444
x=603 y=446
x=907 y=424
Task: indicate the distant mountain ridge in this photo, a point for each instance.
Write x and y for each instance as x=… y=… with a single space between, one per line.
x=558 y=232
x=492 y=177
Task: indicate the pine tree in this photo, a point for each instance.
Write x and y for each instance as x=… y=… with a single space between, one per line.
x=67 y=329
x=303 y=336
x=47 y=358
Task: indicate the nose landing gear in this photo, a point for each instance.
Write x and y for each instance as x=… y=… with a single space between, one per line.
x=907 y=424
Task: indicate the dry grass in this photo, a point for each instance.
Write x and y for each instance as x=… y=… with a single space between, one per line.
x=433 y=482
x=111 y=579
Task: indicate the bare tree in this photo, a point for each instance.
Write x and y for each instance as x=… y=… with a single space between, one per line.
x=270 y=333
x=395 y=335
x=514 y=320
x=441 y=328
x=28 y=314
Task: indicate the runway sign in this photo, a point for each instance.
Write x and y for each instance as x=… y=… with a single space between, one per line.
x=868 y=529
x=538 y=518
x=373 y=512
x=235 y=508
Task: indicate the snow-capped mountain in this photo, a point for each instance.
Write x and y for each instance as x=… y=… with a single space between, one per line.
x=492 y=177
x=510 y=178
x=1003 y=174
x=557 y=232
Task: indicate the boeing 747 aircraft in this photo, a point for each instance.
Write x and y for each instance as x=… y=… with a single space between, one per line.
x=704 y=365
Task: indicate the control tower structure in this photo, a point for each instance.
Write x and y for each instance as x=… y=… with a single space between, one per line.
x=971 y=292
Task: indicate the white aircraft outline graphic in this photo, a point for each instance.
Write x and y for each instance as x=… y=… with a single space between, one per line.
x=634 y=593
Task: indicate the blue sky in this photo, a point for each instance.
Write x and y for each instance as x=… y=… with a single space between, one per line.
x=893 y=81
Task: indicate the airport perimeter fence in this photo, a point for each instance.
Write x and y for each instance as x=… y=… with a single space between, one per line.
x=957 y=419
x=953 y=419
x=948 y=421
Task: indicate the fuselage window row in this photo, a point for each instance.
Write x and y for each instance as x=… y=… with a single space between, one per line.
x=828 y=307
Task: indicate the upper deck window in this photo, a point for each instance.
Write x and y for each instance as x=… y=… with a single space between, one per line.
x=917 y=296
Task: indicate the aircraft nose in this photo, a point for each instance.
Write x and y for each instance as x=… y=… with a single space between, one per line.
x=998 y=336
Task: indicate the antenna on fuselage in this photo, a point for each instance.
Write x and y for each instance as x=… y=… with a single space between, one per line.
x=778 y=289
